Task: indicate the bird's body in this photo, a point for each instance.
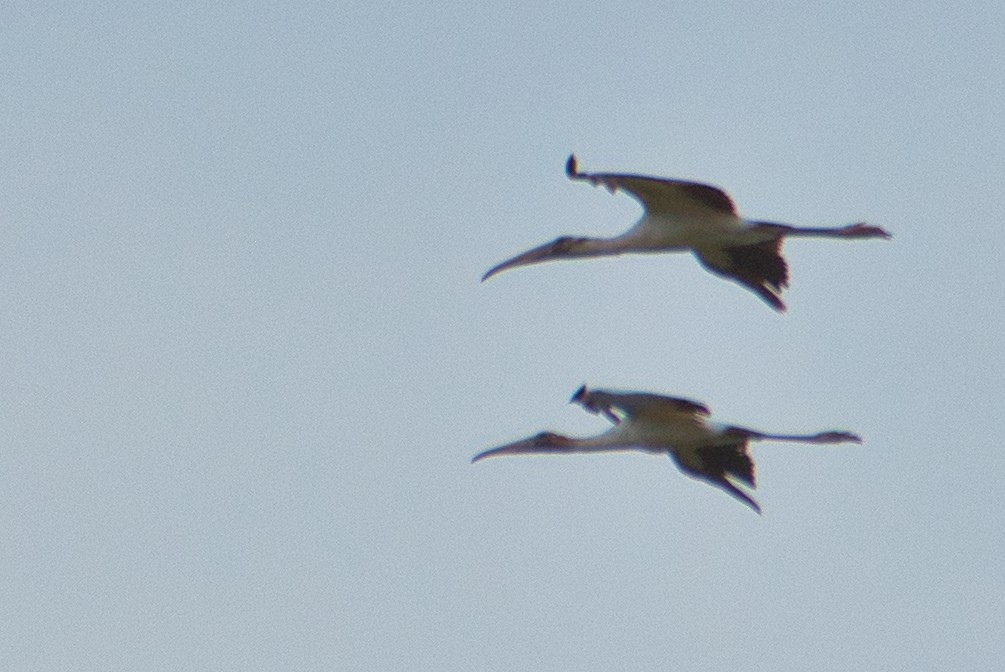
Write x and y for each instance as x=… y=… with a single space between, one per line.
x=710 y=451
x=679 y=216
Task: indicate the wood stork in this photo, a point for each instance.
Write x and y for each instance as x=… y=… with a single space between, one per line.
x=681 y=215
x=709 y=451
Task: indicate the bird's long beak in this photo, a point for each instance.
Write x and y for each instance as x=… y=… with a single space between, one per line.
x=544 y=252
x=515 y=448
x=546 y=442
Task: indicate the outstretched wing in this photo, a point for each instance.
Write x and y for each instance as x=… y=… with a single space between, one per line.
x=759 y=267
x=715 y=465
x=641 y=405
x=660 y=196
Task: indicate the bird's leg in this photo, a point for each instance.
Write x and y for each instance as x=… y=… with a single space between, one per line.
x=859 y=230
x=820 y=437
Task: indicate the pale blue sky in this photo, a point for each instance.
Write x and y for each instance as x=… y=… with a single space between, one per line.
x=245 y=356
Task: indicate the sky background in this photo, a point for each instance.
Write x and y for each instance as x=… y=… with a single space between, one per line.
x=245 y=356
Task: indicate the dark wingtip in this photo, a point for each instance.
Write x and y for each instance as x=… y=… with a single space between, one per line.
x=771 y=299
x=578 y=394
x=572 y=167
x=771 y=296
x=752 y=503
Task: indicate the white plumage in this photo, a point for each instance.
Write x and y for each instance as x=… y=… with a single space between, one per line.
x=680 y=428
x=680 y=215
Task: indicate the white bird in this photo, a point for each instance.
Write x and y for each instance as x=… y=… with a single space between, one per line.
x=680 y=216
x=708 y=451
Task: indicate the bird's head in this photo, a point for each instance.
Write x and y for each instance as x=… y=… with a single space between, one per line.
x=548 y=440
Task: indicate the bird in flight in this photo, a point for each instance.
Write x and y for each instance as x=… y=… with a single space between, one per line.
x=678 y=216
x=708 y=451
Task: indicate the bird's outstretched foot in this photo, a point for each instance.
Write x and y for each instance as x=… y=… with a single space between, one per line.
x=838 y=437
x=863 y=230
